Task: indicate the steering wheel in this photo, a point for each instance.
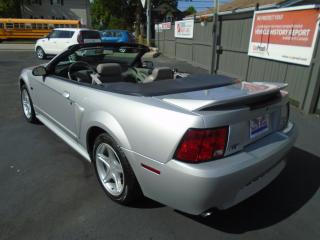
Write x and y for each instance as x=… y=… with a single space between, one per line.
x=78 y=65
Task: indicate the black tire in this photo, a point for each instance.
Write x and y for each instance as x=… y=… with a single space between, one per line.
x=131 y=190
x=32 y=116
x=40 y=53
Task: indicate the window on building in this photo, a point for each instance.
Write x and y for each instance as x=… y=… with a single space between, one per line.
x=36 y=2
x=56 y=2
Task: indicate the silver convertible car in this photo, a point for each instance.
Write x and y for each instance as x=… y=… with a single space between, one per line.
x=192 y=142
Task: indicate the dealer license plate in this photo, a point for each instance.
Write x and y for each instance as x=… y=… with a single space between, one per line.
x=259 y=126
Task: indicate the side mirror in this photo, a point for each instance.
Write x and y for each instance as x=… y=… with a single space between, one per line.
x=147 y=64
x=39 y=71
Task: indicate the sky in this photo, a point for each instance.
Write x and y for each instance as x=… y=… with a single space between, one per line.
x=200 y=5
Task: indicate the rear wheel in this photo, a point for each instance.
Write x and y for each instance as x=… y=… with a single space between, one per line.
x=114 y=171
x=40 y=53
x=27 y=105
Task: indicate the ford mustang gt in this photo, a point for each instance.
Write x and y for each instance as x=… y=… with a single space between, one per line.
x=192 y=142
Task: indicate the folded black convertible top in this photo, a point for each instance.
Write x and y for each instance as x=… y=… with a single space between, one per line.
x=165 y=87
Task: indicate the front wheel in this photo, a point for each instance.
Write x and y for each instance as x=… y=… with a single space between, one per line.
x=27 y=105
x=40 y=53
x=114 y=171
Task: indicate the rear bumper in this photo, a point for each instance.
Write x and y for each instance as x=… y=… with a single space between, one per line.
x=195 y=188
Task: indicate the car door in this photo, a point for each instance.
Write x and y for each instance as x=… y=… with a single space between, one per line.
x=64 y=39
x=56 y=103
x=50 y=45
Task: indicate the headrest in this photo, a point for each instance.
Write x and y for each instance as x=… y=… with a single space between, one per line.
x=162 y=73
x=109 y=69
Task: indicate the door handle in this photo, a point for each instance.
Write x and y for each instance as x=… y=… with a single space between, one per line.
x=66 y=95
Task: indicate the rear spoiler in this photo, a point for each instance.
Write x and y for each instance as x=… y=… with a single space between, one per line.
x=253 y=101
x=254 y=95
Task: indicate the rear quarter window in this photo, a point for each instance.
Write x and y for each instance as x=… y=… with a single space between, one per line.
x=90 y=35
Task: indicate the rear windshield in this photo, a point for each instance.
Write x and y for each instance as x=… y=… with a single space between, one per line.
x=90 y=35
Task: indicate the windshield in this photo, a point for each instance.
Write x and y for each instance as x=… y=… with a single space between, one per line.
x=125 y=55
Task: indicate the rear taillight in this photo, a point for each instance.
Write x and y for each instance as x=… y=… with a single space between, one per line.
x=79 y=39
x=199 y=145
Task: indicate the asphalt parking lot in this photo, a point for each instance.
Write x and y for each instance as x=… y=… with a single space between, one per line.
x=48 y=191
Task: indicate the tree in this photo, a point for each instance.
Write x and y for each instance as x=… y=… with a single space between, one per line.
x=190 y=10
x=113 y=13
x=122 y=14
x=99 y=14
x=172 y=3
x=10 y=8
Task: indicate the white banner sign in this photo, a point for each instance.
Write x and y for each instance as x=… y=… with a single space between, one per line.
x=287 y=34
x=184 y=29
x=165 y=26
x=162 y=26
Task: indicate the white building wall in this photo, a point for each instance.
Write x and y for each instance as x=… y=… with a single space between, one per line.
x=71 y=9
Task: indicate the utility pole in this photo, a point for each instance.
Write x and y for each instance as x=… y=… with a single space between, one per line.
x=148 y=21
x=214 y=35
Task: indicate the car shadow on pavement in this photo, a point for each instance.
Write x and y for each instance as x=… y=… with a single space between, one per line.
x=295 y=186
x=146 y=203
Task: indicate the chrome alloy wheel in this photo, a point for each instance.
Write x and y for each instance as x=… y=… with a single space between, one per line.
x=26 y=103
x=40 y=53
x=109 y=169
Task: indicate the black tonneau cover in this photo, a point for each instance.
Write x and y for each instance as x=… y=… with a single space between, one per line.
x=165 y=87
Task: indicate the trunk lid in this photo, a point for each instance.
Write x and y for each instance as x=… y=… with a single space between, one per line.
x=251 y=110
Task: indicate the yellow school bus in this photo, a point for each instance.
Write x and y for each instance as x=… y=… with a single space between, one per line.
x=19 y=28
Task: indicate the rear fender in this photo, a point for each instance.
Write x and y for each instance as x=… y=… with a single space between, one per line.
x=106 y=122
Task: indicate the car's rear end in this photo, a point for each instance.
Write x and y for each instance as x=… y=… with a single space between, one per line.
x=240 y=149
x=88 y=36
